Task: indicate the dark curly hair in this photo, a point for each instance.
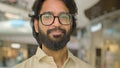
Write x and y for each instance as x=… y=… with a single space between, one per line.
x=36 y=8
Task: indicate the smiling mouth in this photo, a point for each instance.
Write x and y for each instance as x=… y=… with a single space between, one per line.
x=57 y=34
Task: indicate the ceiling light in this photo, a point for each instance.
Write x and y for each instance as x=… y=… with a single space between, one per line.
x=96 y=27
x=15 y=45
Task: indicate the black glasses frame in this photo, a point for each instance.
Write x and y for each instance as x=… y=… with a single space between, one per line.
x=40 y=16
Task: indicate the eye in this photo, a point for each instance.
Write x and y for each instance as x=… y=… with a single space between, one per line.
x=47 y=16
x=64 y=17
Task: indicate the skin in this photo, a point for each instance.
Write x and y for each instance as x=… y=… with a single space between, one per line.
x=56 y=7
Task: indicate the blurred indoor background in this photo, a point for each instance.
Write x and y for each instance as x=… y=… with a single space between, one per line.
x=96 y=40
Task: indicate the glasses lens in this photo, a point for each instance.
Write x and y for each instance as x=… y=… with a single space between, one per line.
x=65 y=18
x=47 y=19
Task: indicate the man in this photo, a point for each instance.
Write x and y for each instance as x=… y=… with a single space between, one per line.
x=53 y=23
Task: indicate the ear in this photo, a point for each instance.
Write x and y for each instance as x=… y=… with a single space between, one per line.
x=36 y=25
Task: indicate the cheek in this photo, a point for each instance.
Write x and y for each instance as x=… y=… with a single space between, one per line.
x=68 y=28
x=43 y=28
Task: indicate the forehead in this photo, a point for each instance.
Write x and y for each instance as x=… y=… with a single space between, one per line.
x=54 y=6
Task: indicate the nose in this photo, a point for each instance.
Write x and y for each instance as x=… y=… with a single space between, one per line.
x=56 y=22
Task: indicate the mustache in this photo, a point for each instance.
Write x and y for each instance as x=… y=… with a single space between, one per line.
x=54 y=29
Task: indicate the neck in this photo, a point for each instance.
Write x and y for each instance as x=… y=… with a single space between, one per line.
x=59 y=56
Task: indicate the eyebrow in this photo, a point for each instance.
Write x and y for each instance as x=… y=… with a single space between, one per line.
x=52 y=12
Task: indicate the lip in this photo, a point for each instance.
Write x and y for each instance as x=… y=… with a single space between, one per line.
x=57 y=32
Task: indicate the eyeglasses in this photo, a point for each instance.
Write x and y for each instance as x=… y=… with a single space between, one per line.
x=48 y=18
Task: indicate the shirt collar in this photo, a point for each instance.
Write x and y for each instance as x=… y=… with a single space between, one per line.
x=41 y=54
x=70 y=55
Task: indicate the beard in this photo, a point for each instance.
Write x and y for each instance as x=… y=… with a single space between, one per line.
x=59 y=41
